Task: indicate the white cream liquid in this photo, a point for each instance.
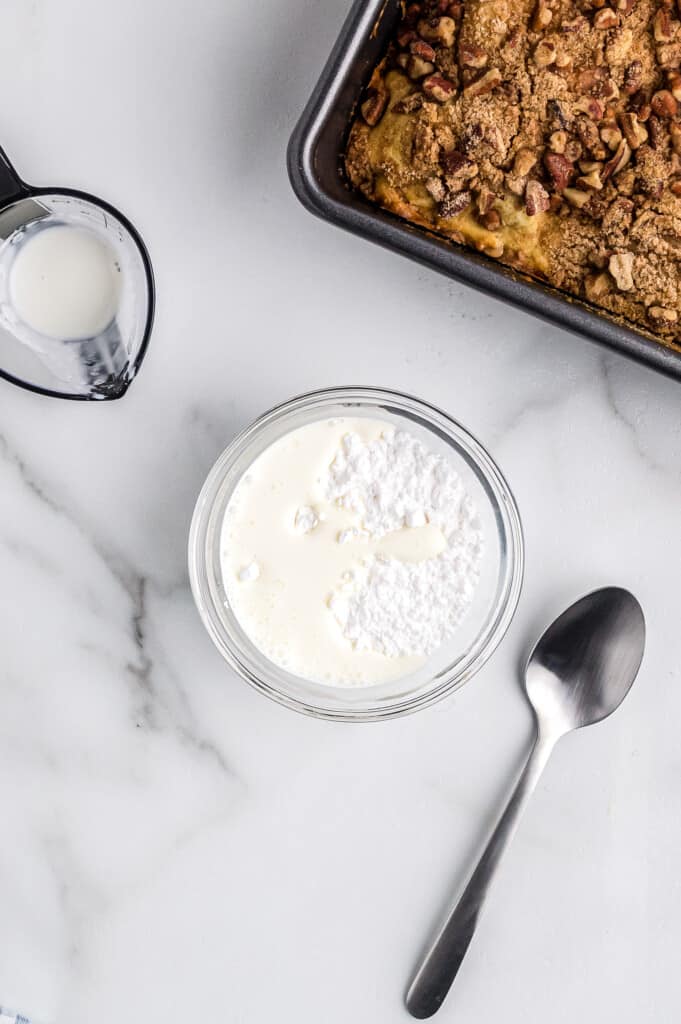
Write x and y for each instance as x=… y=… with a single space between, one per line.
x=282 y=559
x=65 y=283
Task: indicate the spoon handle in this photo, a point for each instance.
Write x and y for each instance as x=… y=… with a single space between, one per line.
x=444 y=958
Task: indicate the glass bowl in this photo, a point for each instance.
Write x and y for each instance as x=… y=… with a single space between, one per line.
x=496 y=596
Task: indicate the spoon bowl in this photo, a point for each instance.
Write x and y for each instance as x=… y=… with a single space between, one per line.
x=585 y=663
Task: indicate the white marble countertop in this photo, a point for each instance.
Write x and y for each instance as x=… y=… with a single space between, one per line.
x=174 y=846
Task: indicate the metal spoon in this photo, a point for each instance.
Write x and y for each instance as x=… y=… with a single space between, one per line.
x=579 y=673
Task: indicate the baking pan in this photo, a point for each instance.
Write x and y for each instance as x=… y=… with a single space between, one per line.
x=315 y=164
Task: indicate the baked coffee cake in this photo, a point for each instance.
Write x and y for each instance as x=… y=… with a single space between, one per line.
x=546 y=134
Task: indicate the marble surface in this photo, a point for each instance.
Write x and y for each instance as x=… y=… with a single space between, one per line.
x=174 y=846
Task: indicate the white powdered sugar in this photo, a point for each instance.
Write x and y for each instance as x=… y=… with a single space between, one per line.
x=388 y=605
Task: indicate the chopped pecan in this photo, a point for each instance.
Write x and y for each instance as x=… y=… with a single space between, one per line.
x=435 y=187
x=438 y=88
x=633 y=77
x=663 y=104
x=472 y=56
x=559 y=168
x=661 y=316
x=634 y=132
x=589 y=137
x=486 y=199
x=455 y=203
x=658 y=135
x=438 y=30
x=545 y=53
x=626 y=6
x=558 y=141
x=419 y=68
x=669 y=55
x=611 y=136
x=374 y=106
x=591 y=80
x=675 y=85
x=405 y=35
x=675 y=187
x=620 y=266
x=597 y=286
x=573 y=150
x=524 y=161
x=675 y=135
x=590 y=106
x=605 y=18
x=543 y=16
x=455 y=163
x=619 y=160
x=423 y=50
x=578 y=24
x=592 y=180
x=662 y=26
x=640 y=104
x=576 y=197
x=486 y=83
x=491 y=220
x=536 y=198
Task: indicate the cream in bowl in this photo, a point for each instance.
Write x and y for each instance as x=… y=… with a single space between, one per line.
x=356 y=554
x=350 y=551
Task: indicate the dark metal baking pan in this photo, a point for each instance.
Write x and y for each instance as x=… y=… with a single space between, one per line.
x=316 y=171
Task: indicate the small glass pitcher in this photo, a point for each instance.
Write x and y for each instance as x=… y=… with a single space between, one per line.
x=94 y=368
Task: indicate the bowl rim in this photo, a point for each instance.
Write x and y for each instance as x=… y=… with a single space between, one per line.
x=509 y=527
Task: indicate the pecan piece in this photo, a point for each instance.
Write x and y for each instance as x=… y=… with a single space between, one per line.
x=662 y=26
x=543 y=16
x=558 y=141
x=597 y=286
x=590 y=137
x=525 y=159
x=374 y=106
x=658 y=135
x=576 y=197
x=472 y=56
x=619 y=161
x=675 y=135
x=545 y=53
x=436 y=189
x=455 y=163
x=605 y=18
x=663 y=317
x=633 y=77
x=611 y=136
x=418 y=68
x=634 y=132
x=438 y=30
x=675 y=85
x=560 y=169
x=537 y=199
x=592 y=180
x=490 y=80
x=491 y=220
x=620 y=266
x=590 y=106
x=663 y=104
x=423 y=50
x=455 y=203
x=438 y=88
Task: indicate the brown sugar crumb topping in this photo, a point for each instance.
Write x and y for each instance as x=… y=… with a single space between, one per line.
x=545 y=133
